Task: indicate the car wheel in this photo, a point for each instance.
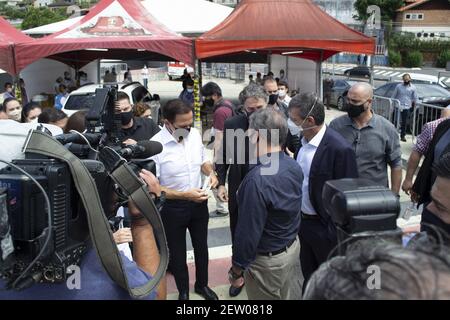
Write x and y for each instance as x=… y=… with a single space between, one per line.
x=170 y=78
x=340 y=104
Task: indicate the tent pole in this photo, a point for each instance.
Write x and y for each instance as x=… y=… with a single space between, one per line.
x=99 y=76
x=319 y=74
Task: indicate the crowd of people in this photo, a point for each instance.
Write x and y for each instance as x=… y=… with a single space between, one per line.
x=270 y=180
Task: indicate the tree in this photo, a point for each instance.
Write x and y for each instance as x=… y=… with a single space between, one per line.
x=35 y=17
x=388 y=8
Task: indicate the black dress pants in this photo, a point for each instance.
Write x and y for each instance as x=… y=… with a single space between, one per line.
x=315 y=246
x=177 y=217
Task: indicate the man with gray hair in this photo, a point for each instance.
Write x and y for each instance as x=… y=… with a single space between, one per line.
x=373 y=138
x=324 y=155
x=233 y=157
x=266 y=246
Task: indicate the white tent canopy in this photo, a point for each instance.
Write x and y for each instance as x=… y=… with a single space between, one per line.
x=181 y=16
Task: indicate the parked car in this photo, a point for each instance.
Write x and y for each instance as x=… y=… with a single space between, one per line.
x=427 y=93
x=175 y=69
x=83 y=98
x=359 y=71
x=426 y=78
x=339 y=91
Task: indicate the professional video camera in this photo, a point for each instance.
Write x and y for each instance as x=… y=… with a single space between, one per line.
x=44 y=231
x=359 y=209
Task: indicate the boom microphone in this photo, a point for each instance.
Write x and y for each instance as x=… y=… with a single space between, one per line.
x=142 y=150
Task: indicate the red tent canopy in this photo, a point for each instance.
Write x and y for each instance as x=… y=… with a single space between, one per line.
x=9 y=36
x=111 y=24
x=287 y=26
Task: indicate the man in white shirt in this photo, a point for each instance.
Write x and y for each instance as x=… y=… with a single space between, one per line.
x=179 y=168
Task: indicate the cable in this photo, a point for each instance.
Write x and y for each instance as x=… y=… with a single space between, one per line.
x=49 y=217
x=84 y=138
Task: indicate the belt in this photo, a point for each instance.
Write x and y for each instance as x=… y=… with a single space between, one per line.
x=274 y=253
x=310 y=216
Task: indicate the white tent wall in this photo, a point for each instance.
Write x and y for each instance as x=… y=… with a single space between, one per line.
x=41 y=75
x=302 y=74
x=91 y=70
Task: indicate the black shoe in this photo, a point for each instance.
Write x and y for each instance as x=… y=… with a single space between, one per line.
x=207 y=293
x=234 y=292
x=403 y=139
x=184 y=295
x=221 y=214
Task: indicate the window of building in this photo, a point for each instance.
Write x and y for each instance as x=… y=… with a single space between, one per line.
x=442 y=35
x=432 y=35
x=425 y=35
x=414 y=16
x=419 y=34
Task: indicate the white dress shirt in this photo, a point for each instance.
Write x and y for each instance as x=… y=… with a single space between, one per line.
x=304 y=159
x=178 y=166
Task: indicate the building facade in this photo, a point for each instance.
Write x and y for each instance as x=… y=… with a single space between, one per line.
x=427 y=19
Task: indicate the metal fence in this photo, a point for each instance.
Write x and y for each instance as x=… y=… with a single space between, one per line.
x=386 y=107
x=422 y=114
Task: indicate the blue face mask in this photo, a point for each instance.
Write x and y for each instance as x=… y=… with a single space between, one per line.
x=190 y=90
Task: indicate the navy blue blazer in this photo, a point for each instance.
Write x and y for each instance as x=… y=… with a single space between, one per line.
x=334 y=159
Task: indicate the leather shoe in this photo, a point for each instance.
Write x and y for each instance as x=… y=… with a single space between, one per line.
x=403 y=139
x=207 y=293
x=184 y=295
x=234 y=291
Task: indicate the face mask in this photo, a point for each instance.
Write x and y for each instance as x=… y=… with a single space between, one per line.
x=354 y=110
x=406 y=82
x=126 y=117
x=282 y=93
x=431 y=219
x=293 y=128
x=35 y=120
x=273 y=99
x=209 y=102
x=9 y=90
x=180 y=133
x=297 y=130
x=15 y=114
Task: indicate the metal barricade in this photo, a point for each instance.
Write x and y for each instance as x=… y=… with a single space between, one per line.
x=422 y=114
x=386 y=107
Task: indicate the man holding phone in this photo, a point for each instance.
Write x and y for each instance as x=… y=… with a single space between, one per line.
x=179 y=168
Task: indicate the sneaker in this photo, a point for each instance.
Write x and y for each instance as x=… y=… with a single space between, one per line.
x=403 y=139
x=221 y=214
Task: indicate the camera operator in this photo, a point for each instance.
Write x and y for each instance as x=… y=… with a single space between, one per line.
x=94 y=281
x=133 y=128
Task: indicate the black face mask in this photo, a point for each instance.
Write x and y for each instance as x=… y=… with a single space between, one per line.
x=355 y=110
x=429 y=218
x=273 y=99
x=208 y=102
x=406 y=82
x=126 y=117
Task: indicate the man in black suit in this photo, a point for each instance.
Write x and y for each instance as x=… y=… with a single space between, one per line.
x=233 y=157
x=324 y=155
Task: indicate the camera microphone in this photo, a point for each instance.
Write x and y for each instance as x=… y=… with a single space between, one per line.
x=142 y=150
x=93 y=138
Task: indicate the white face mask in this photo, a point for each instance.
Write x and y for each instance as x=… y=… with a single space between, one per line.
x=190 y=90
x=297 y=130
x=15 y=114
x=281 y=93
x=35 y=120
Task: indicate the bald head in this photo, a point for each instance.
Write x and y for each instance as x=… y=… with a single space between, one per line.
x=360 y=92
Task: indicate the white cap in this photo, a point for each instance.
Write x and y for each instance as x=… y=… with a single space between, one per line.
x=190 y=70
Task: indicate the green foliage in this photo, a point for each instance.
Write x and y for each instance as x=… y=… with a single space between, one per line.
x=35 y=17
x=395 y=58
x=12 y=12
x=388 y=8
x=413 y=59
x=442 y=59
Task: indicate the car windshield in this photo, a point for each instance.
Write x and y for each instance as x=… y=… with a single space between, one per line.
x=80 y=102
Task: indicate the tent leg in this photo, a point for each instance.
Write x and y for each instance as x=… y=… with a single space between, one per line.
x=320 y=76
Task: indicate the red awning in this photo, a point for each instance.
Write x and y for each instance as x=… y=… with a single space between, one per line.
x=9 y=36
x=287 y=26
x=111 y=24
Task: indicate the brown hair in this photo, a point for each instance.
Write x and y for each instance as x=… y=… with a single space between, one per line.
x=140 y=108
